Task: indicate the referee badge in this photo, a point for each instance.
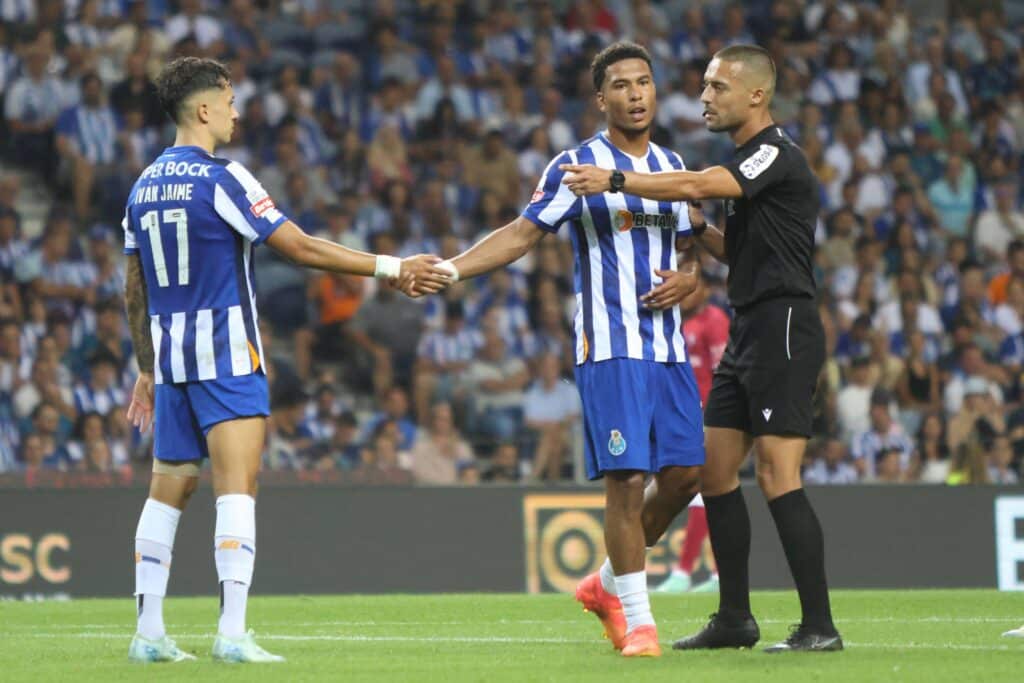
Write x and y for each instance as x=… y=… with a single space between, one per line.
x=616 y=444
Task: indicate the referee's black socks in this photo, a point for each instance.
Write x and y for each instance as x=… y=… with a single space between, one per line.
x=729 y=528
x=804 y=544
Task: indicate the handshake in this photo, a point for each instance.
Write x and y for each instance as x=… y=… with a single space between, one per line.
x=417 y=275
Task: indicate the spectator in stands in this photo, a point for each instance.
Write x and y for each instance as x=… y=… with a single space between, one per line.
x=1000 y=456
x=15 y=367
x=832 y=466
x=978 y=415
x=46 y=425
x=987 y=378
x=969 y=464
x=890 y=468
x=497 y=381
x=932 y=454
x=380 y=460
x=439 y=449
x=192 y=21
x=918 y=387
x=953 y=198
x=12 y=246
x=388 y=327
x=997 y=227
x=102 y=393
x=90 y=448
x=290 y=446
x=344 y=445
x=972 y=305
x=87 y=142
x=503 y=467
x=550 y=409
x=884 y=434
x=319 y=418
x=396 y=410
x=493 y=167
x=1014 y=265
x=1010 y=314
x=443 y=357
x=43 y=387
x=31 y=107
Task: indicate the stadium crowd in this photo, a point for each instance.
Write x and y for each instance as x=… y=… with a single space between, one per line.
x=403 y=127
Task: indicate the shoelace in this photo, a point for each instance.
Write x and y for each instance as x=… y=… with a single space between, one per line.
x=796 y=631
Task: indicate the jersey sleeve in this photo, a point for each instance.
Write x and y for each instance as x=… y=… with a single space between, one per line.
x=765 y=166
x=130 y=247
x=242 y=202
x=552 y=202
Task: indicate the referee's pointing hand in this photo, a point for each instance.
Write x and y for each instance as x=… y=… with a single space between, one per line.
x=585 y=179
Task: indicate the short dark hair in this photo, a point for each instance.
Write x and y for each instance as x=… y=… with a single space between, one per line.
x=186 y=76
x=616 y=52
x=753 y=55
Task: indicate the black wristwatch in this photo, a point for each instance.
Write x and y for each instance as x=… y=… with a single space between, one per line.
x=617 y=182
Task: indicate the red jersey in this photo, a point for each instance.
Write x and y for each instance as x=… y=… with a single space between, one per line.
x=706 y=335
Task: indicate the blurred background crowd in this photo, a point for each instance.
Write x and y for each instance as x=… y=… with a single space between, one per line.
x=407 y=126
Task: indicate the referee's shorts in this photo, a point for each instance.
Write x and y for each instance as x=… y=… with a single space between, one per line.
x=765 y=381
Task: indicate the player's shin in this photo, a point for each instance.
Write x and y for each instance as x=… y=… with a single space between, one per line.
x=804 y=545
x=154 y=541
x=729 y=525
x=636 y=603
x=234 y=555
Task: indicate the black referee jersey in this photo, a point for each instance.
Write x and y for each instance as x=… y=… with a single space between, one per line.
x=769 y=232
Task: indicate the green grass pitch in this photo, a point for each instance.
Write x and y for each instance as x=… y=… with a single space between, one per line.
x=925 y=636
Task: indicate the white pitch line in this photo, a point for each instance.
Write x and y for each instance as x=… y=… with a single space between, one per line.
x=561 y=622
x=505 y=640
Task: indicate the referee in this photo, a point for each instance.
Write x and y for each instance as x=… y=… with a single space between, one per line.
x=762 y=392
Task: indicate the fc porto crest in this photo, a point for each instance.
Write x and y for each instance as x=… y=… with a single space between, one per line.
x=616 y=444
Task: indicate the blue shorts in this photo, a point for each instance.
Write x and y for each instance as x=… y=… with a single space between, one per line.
x=639 y=415
x=185 y=413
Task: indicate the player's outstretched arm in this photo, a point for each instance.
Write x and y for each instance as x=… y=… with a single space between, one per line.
x=418 y=271
x=665 y=186
x=140 y=411
x=502 y=247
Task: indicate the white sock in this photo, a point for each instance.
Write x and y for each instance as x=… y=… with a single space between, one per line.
x=235 y=555
x=676 y=571
x=608 y=576
x=154 y=541
x=632 y=591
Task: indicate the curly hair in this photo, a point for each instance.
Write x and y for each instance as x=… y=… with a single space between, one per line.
x=186 y=76
x=616 y=52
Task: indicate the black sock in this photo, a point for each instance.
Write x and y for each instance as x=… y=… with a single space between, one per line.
x=804 y=544
x=729 y=528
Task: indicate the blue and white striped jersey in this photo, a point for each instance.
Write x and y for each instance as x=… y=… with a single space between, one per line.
x=194 y=219
x=619 y=241
x=93 y=130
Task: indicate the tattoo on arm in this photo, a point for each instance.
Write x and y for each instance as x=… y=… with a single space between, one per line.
x=136 y=302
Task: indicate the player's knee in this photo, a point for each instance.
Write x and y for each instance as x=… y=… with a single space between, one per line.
x=190 y=487
x=683 y=484
x=626 y=483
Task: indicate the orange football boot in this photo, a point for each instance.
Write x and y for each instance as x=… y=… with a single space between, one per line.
x=642 y=642
x=594 y=598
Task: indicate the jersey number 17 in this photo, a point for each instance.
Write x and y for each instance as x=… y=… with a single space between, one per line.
x=150 y=222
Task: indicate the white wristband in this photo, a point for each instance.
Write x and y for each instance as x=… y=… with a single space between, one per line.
x=388 y=267
x=450 y=267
